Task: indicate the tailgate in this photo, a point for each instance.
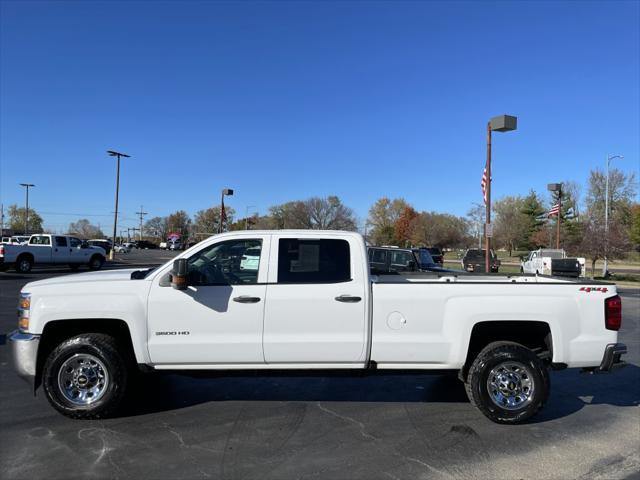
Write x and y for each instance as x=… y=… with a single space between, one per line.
x=565 y=267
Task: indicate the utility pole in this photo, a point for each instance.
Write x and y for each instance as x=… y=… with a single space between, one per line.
x=26 y=217
x=118 y=155
x=1 y=219
x=142 y=214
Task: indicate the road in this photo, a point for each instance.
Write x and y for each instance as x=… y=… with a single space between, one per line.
x=386 y=427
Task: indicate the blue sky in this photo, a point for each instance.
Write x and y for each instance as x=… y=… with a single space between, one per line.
x=286 y=100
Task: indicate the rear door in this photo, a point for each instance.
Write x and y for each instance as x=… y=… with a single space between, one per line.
x=316 y=307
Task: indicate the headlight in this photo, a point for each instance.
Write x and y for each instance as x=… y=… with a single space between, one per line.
x=24 y=308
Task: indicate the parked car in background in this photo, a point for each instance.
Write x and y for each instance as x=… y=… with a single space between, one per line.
x=546 y=261
x=144 y=245
x=175 y=245
x=391 y=260
x=106 y=245
x=426 y=262
x=51 y=249
x=163 y=245
x=436 y=254
x=474 y=261
x=121 y=248
x=15 y=239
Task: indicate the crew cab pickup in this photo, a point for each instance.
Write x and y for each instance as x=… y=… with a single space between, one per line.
x=309 y=302
x=51 y=249
x=553 y=262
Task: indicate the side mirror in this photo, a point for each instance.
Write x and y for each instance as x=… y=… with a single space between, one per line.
x=180 y=274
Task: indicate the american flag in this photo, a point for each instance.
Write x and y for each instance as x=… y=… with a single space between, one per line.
x=555 y=210
x=483 y=184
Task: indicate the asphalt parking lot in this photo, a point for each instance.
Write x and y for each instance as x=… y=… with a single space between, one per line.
x=393 y=427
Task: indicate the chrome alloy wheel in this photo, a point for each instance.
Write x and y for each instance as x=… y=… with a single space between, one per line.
x=83 y=379
x=510 y=385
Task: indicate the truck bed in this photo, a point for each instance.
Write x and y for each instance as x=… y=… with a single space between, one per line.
x=464 y=277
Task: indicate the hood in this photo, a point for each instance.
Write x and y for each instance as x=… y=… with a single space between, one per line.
x=102 y=276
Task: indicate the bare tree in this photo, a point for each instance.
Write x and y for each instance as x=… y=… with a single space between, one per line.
x=84 y=229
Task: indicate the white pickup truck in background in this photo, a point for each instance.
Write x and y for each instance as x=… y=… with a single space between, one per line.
x=51 y=249
x=307 y=301
x=553 y=262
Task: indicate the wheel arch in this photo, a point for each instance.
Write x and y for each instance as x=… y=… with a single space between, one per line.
x=56 y=331
x=533 y=334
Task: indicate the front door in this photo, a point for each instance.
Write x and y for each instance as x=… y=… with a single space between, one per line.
x=218 y=318
x=60 y=252
x=316 y=306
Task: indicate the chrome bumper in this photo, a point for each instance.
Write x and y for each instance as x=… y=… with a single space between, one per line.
x=24 y=354
x=611 y=358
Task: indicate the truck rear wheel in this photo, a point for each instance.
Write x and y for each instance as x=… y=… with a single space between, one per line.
x=507 y=382
x=96 y=262
x=24 y=264
x=85 y=376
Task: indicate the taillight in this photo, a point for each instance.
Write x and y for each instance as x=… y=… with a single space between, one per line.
x=613 y=313
x=2 y=250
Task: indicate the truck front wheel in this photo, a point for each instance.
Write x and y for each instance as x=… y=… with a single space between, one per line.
x=507 y=382
x=85 y=376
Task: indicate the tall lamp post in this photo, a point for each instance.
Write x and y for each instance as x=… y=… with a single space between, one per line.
x=557 y=187
x=606 y=214
x=118 y=155
x=501 y=123
x=26 y=213
x=228 y=192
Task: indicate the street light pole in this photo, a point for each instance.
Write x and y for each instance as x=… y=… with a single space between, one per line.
x=26 y=213
x=115 y=215
x=223 y=215
x=606 y=214
x=501 y=123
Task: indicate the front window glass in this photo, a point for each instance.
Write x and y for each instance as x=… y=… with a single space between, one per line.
x=234 y=262
x=61 y=242
x=74 y=242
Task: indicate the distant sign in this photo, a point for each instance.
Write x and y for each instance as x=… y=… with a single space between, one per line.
x=489 y=229
x=174 y=236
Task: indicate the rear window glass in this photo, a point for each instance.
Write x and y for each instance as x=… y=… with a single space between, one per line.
x=313 y=261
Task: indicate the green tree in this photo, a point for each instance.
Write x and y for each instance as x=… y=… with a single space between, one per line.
x=534 y=211
x=382 y=217
x=18 y=219
x=207 y=221
x=634 y=232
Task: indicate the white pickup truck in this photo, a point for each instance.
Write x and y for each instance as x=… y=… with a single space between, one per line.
x=545 y=261
x=51 y=249
x=309 y=303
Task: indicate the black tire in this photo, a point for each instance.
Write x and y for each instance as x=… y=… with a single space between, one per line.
x=534 y=371
x=74 y=267
x=24 y=264
x=96 y=262
x=97 y=345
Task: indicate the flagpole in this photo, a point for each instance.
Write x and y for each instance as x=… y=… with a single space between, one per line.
x=559 y=215
x=488 y=202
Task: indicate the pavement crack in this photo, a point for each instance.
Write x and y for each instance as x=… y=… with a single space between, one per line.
x=360 y=425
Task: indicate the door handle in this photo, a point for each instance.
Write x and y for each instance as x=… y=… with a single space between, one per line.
x=348 y=299
x=246 y=299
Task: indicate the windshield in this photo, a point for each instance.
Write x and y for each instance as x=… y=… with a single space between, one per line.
x=424 y=257
x=552 y=253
